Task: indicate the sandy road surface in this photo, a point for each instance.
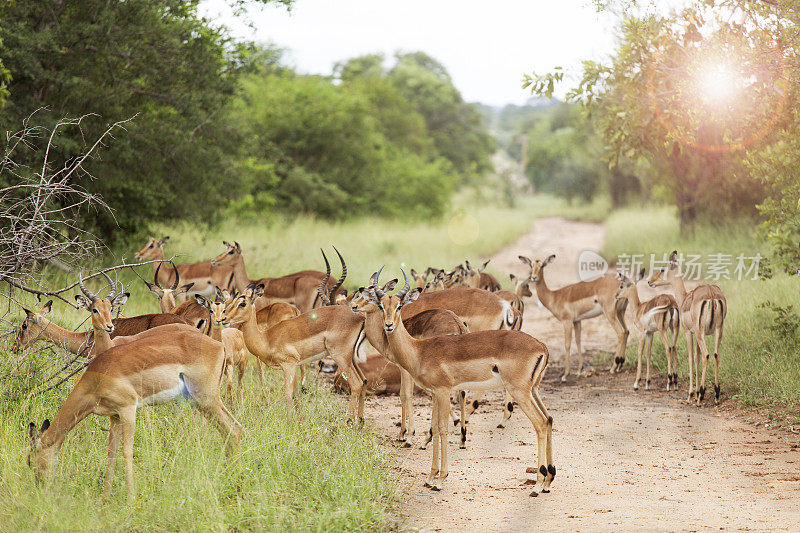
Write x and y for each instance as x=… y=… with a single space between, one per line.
x=626 y=460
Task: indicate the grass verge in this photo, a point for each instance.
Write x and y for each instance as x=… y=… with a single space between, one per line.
x=760 y=355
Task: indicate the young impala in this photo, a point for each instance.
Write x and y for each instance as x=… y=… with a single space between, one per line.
x=475 y=361
x=703 y=311
x=156 y=366
x=659 y=314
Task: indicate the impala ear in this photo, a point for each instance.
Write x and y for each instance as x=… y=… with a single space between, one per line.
x=390 y=285
x=185 y=288
x=513 y=278
x=413 y=273
x=641 y=273
x=673 y=259
x=550 y=259
x=481 y=269
x=162 y=241
x=410 y=297
x=238 y=248
x=202 y=301
x=120 y=300
x=259 y=290
x=526 y=260
x=45 y=425
x=33 y=433
x=83 y=301
x=46 y=307
x=29 y=313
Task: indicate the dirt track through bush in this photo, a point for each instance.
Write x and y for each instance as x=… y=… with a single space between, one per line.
x=626 y=460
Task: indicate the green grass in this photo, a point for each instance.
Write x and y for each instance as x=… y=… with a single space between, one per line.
x=760 y=362
x=309 y=471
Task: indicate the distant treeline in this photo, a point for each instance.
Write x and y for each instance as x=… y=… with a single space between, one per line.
x=224 y=126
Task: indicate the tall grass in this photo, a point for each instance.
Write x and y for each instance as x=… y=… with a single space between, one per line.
x=760 y=354
x=307 y=470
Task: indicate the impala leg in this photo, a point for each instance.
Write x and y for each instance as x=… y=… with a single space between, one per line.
x=616 y=318
x=229 y=380
x=690 y=350
x=567 y=348
x=227 y=425
x=473 y=406
x=717 y=340
x=260 y=372
x=242 y=367
x=127 y=418
x=674 y=345
x=576 y=326
x=668 y=352
x=431 y=482
x=443 y=419
x=551 y=469
x=639 y=362
x=508 y=408
x=701 y=344
x=362 y=396
x=290 y=383
x=406 y=407
x=114 y=434
x=524 y=398
x=462 y=400
x=356 y=383
x=649 y=337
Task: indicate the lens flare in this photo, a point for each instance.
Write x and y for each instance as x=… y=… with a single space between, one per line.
x=719 y=83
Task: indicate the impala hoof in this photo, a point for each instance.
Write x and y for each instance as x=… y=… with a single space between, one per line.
x=534 y=493
x=407 y=444
x=636 y=386
x=563 y=379
x=500 y=426
x=397 y=424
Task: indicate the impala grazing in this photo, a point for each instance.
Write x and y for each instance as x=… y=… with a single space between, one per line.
x=472 y=361
x=659 y=314
x=203 y=275
x=156 y=366
x=581 y=301
x=702 y=311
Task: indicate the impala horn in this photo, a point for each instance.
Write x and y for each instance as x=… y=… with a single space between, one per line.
x=177 y=276
x=406 y=285
x=155 y=277
x=89 y=294
x=324 y=282
x=339 y=283
x=379 y=293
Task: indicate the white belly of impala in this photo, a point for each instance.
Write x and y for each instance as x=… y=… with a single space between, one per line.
x=165 y=396
x=494 y=383
x=597 y=310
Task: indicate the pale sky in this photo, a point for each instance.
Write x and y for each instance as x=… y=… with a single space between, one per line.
x=485 y=46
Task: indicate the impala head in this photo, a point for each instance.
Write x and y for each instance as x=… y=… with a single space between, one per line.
x=101 y=308
x=626 y=286
x=329 y=297
x=167 y=295
x=217 y=310
x=363 y=302
x=664 y=275
x=152 y=250
x=521 y=285
x=437 y=283
x=537 y=265
x=241 y=307
x=420 y=279
x=41 y=463
x=31 y=327
x=231 y=254
x=472 y=276
x=390 y=306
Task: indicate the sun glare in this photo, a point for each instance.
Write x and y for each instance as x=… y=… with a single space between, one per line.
x=719 y=83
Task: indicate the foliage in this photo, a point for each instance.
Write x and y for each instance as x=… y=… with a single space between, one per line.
x=652 y=101
x=785 y=322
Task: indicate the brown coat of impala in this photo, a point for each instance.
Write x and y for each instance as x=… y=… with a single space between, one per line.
x=581 y=301
x=299 y=288
x=333 y=330
x=473 y=361
x=703 y=311
x=153 y=367
x=658 y=314
x=203 y=275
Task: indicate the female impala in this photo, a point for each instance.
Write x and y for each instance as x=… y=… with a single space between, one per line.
x=580 y=301
x=703 y=311
x=299 y=288
x=156 y=366
x=659 y=314
x=478 y=361
x=333 y=330
x=203 y=275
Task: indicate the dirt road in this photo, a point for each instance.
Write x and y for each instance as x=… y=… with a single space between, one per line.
x=626 y=460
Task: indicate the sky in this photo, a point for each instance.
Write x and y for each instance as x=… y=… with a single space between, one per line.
x=485 y=46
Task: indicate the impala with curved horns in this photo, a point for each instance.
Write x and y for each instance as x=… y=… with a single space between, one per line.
x=190 y=309
x=472 y=361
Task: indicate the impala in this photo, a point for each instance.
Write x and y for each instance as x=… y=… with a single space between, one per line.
x=659 y=314
x=423 y=325
x=104 y=332
x=333 y=330
x=299 y=288
x=703 y=311
x=166 y=296
x=472 y=361
x=476 y=277
x=581 y=301
x=156 y=366
x=203 y=275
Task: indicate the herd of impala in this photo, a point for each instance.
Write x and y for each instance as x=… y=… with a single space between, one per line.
x=443 y=331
